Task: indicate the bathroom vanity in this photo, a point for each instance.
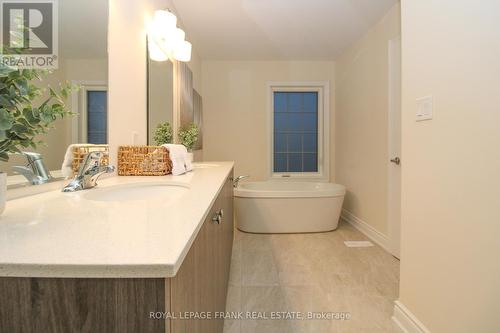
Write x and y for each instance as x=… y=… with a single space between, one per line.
x=121 y=257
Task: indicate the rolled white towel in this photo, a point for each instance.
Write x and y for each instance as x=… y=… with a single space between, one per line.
x=67 y=168
x=178 y=157
x=67 y=165
x=188 y=162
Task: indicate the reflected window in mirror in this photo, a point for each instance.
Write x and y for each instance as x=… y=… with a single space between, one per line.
x=97 y=115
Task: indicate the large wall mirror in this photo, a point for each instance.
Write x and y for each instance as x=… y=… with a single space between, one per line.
x=160 y=100
x=82 y=61
x=173 y=103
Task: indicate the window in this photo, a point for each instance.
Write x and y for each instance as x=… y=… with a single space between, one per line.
x=90 y=103
x=299 y=136
x=97 y=117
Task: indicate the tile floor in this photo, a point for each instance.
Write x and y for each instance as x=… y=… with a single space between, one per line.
x=311 y=273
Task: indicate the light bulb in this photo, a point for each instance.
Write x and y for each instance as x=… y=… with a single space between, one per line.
x=155 y=51
x=178 y=37
x=183 y=51
x=164 y=21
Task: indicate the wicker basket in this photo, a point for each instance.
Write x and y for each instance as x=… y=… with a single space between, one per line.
x=80 y=152
x=143 y=161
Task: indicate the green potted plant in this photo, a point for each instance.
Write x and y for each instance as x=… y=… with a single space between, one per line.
x=188 y=137
x=26 y=112
x=163 y=134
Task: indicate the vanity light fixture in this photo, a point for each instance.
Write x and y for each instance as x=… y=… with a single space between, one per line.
x=165 y=40
x=183 y=51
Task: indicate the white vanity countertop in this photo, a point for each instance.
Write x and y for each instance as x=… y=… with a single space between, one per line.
x=57 y=234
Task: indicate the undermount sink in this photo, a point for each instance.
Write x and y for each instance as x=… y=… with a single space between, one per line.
x=137 y=192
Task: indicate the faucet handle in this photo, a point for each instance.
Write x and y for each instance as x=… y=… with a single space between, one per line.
x=237 y=180
x=35 y=172
x=92 y=160
x=31 y=156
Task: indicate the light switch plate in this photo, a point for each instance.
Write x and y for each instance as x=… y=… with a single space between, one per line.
x=425 y=108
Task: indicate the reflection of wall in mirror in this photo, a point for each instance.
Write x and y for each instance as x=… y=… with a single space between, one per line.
x=160 y=95
x=198 y=118
x=186 y=94
x=191 y=105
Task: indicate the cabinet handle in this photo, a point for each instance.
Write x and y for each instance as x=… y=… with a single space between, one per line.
x=217 y=218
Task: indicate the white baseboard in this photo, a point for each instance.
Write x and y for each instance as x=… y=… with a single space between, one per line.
x=406 y=321
x=366 y=229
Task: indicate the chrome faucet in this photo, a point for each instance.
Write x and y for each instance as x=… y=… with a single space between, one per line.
x=35 y=172
x=89 y=172
x=236 y=181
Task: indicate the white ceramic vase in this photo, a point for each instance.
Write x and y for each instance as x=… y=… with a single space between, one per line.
x=190 y=156
x=3 y=191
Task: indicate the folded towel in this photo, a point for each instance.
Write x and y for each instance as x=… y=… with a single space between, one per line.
x=178 y=157
x=67 y=165
x=67 y=168
x=188 y=161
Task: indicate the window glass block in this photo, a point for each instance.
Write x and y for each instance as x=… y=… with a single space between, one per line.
x=280 y=163
x=280 y=122
x=295 y=123
x=310 y=143
x=294 y=102
x=280 y=102
x=294 y=143
x=295 y=162
x=310 y=162
x=310 y=102
x=280 y=143
x=309 y=122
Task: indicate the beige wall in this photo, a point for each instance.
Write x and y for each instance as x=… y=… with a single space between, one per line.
x=87 y=69
x=127 y=70
x=235 y=108
x=450 y=271
x=362 y=102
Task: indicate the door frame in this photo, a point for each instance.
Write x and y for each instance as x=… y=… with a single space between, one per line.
x=394 y=223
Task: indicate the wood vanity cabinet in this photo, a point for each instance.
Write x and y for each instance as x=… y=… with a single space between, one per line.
x=124 y=304
x=201 y=283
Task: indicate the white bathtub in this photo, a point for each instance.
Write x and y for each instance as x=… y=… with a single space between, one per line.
x=288 y=207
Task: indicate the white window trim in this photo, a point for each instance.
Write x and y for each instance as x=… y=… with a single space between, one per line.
x=79 y=106
x=323 y=89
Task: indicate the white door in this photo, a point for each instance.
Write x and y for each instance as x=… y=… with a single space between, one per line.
x=394 y=161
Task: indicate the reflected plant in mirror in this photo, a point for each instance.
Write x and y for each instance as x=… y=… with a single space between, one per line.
x=163 y=134
x=21 y=121
x=188 y=136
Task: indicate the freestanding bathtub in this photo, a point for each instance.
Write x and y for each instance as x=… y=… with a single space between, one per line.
x=288 y=207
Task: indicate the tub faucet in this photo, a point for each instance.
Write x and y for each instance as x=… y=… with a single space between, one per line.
x=236 y=181
x=90 y=171
x=35 y=172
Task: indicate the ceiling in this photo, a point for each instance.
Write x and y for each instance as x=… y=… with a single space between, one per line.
x=277 y=29
x=83 y=26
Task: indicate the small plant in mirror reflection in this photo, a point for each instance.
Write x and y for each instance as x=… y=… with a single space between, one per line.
x=163 y=134
x=189 y=136
x=27 y=110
